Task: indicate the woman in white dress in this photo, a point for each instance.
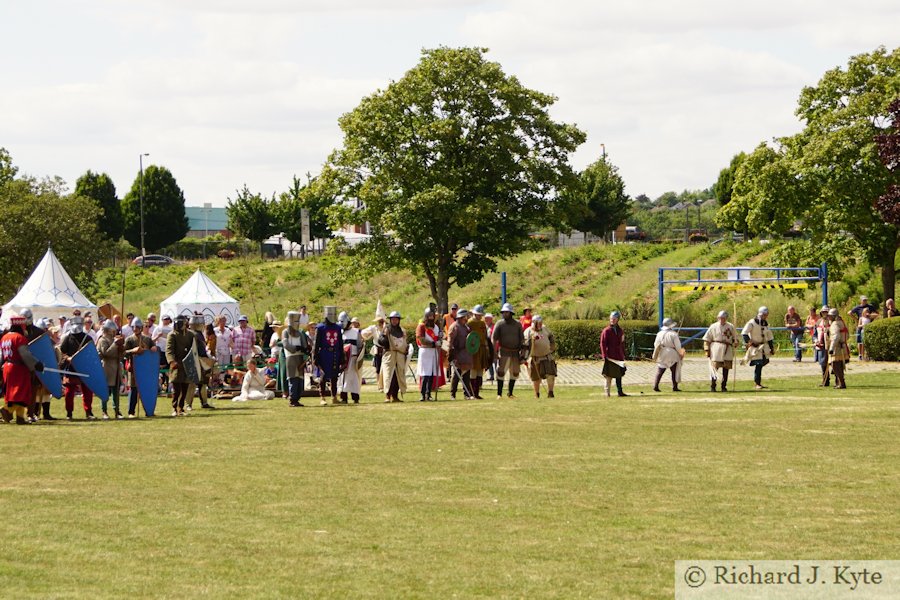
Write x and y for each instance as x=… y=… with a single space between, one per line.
x=254 y=385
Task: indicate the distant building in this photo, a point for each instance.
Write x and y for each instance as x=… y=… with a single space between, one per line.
x=204 y=221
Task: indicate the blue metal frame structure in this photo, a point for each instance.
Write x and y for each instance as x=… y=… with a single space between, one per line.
x=782 y=275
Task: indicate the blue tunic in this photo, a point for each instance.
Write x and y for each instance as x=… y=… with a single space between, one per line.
x=329 y=349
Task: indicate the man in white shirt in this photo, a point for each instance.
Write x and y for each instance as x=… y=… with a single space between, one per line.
x=224 y=338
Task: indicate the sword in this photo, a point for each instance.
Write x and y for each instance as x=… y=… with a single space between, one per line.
x=62 y=372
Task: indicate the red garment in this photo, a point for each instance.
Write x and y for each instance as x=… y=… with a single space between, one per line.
x=525 y=322
x=16 y=375
x=612 y=343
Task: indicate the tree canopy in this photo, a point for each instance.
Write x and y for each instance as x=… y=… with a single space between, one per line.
x=26 y=230
x=251 y=215
x=829 y=175
x=889 y=150
x=725 y=183
x=602 y=192
x=165 y=220
x=452 y=166
x=316 y=195
x=100 y=188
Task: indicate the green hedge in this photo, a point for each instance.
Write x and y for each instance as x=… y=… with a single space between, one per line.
x=882 y=338
x=581 y=339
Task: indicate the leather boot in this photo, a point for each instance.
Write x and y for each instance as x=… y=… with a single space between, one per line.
x=46 y=411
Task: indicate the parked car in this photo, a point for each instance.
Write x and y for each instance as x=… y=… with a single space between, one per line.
x=153 y=260
x=634 y=233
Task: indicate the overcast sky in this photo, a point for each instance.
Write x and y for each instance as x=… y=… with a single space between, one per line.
x=225 y=92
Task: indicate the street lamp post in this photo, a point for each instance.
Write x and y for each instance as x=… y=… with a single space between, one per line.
x=143 y=245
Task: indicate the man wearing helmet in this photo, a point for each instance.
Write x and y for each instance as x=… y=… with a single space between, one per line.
x=612 y=350
x=178 y=344
x=111 y=348
x=198 y=327
x=295 y=344
x=718 y=342
x=18 y=363
x=484 y=356
x=460 y=358
x=328 y=353
x=760 y=344
x=393 y=367
x=32 y=332
x=668 y=354
x=351 y=381
x=509 y=336
x=74 y=340
x=136 y=343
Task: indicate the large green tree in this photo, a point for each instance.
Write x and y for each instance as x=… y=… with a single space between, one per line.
x=453 y=165
x=26 y=231
x=251 y=216
x=100 y=188
x=165 y=221
x=602 y=191
x=829 y=175
x=7 y=169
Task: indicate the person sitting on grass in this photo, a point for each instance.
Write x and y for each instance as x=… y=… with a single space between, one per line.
x=253 y=386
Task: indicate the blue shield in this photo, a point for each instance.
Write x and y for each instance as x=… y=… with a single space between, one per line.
x=42 y=349
x=146 y=375
x=87 y=361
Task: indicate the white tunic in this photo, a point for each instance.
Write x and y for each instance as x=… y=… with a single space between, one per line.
x=429 y=360
x=667 y=350
x=721 y=340
x=760 y=335
x=254 y=388
x=351 y=380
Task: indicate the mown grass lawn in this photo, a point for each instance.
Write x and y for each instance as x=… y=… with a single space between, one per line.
x=576 y=497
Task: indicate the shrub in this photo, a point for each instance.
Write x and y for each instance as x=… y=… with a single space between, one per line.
x=581 y=338
x=882 y=339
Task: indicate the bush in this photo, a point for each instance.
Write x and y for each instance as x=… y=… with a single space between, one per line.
x=882 y=339
x=581 y=339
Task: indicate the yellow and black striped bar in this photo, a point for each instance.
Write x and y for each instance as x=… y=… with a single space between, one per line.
x=739 y=286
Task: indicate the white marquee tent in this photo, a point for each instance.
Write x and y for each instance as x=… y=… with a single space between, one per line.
x=49 y=292
x=201 y=294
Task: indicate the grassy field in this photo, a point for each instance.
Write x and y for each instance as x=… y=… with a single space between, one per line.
x=577 y=497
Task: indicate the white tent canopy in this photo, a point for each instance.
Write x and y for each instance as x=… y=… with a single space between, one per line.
x=201 y=294
x=49 y=292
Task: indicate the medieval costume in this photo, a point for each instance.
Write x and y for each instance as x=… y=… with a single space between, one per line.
x=136 y=343
x=719 y=342
x=351 y=380
x=484 y=356
x=668 y=354
x=460 y=359
x=253 y=385
x=179 y=344
x=74 y=340
x=371 y=333
x=328 y=353
x=393 y=340
x=509 y=336
x=295 y=345
x=760 y=344
x=111 y=348
x=207 y=363
x=612 y=350
x=429 y=368
x=540 y=345
x=838 y=348
x=18 y=364
x=821 y=344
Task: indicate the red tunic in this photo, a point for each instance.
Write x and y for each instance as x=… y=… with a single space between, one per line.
x=612 y=343
x=16 y=375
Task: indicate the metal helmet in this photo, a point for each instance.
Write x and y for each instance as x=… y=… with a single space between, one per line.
x=293 y=319
x=833 y=312
x=537 y=319
x=28 y=315
x=478 y=310
x=136 y=322
x=394 y=315
x=181 y=322
x=669 y=323
x=507 y=308
x=427 y=313
x=198 y=322
x=763 y=310
x=615 y=315
x=462 y=314
x=344 y=319
x=110 y=325
x=330 y=314
x=43 y=324
x=76 y=324
x=723 y=314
